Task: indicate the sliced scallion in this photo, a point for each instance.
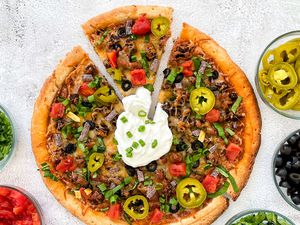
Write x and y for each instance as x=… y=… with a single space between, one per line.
x=154 y=143
x=142 y=143
x=142 y=113
x=141 y=128
x=129 y=134
x=124 y=119
x=236 y=105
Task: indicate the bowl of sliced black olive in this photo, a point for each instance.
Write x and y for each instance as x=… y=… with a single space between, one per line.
x=286 y=168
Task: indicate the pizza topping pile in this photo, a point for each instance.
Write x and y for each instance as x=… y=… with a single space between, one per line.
x=172 y=170
x=131 y=51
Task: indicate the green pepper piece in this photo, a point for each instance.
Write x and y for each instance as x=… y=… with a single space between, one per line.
x=172 y=76
x=263 y=77
x=236 y=104
x=95 y=162
x=139 y=212
x=226 y=174
x=145 y=63
x=105 y=96
x=283 y=76
x=221 y=191
x=289 y=100
x=268 y=59
x=287 y=52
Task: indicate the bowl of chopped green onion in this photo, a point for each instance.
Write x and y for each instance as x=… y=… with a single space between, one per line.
x=259 y=216
x=7 y=137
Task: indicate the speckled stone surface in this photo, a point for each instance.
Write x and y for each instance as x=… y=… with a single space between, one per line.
x=36 y=34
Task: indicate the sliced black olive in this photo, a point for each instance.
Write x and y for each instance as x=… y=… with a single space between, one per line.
x=296 y=165
x=126 y=85
x=86 y=104
x=284 y=183
x=296 y=199
x=179 y=78
x=290 y=191
x=70 y=148
x=213 y=88
x=174 y=208
x=130 y=170
x=181 y=146
x=151 y=167
x=116 y=46
x=196 y=164
x=122 y=32
x=282 y=172
x=295 y=178
x=166 y=72
x=288 y=165
x=215 y=75
x=286 y=150
x=91 y=123
x=298 y=155
x=293 y=140
x=298 y=144
x=278 y=161
x=196 y=145
x=233 y=96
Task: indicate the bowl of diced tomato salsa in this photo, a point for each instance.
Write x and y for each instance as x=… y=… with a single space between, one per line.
x=18 y=207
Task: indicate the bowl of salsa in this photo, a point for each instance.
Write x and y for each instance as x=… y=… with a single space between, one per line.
x=18 y=207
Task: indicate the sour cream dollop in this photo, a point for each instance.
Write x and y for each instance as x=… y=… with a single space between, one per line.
x=141 y=141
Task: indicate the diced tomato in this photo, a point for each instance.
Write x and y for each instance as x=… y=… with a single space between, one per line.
x=85 y=90
x=4 y=192
x=141 y=26
x=114 y=211
x=157 y=216
x=112 y=58
x=232 y=151
x=187 y=68
x=213 y=116
x=35 y=219
x=210 y=183
x=57 y=110
x=138 y=77
x=18 y=198
x=23 y=222
x=5 y=204
x=177 y=169
x=18 y=210
x=66 y=164
x=6 y=214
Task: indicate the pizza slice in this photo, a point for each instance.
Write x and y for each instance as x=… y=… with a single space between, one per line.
x=130 y=41
x=214 y=118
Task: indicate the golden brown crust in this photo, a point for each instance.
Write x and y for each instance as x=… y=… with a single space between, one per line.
x=124 y=13
x=239 y=81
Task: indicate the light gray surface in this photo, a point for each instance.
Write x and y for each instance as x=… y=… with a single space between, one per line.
x=35 y=35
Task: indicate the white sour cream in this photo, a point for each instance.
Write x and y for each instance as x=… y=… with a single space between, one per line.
x=157 y=136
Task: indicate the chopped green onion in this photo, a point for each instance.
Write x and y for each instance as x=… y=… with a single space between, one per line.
x=226 y=174
x=221 y=132
x=136 y=182
x=142 y=143
x=127 y=180
x=149 y=87
x=115 y=141
x=91 y=98
x=135 y=145
x=149 y=122
x=147 y=38
x=79 y=129
x=207 y=165
x=66 y=102
x=237 y=103
x=129 y=152
x=172 y=76
x=102 y=187
x=229 y=131
x=124 y=119
x=141 y=128
x=173 y=201
x=47 y=172
x=162 y=200
x=196 y=62
x=133 y=58
x=145 y=63
x=199 y=76
x=148 y=182
x=142 y=113
x=154 y=143
x=175 y=140
x=221 y=191
x=133 y=37
x=99 y=42
x=158 y=186
x=117 y=157
x=129 y=134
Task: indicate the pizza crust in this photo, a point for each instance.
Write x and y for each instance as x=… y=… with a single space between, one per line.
x=239 y=81
x=122 y=14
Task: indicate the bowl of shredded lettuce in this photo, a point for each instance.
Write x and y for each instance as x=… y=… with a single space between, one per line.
x=7 y=137
x=259 y=217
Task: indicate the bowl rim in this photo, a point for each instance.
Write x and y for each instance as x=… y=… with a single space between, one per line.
x=252 y=211
x=283 y=195
x=30 y=197
x=7 y=159
x=257 y=83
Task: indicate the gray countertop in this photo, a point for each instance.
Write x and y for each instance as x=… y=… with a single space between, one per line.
x=36 y=34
